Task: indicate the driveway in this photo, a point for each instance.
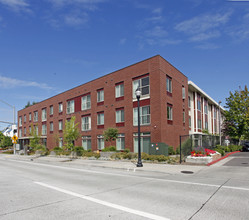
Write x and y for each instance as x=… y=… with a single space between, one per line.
x=238 y=159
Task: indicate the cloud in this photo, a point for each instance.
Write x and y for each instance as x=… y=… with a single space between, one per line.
x=157 y=31
x=203 y=27
x=6 y=83
x=16 y=5
x=76 y=18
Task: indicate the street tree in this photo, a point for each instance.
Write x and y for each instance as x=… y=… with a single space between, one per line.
x=110 y=134
x=5 y=141
x=71 y=133
x=236 y=123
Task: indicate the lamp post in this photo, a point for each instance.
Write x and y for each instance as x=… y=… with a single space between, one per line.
x=219 y=122
x=138 y=94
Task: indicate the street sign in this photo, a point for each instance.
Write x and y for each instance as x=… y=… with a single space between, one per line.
x=15 y=138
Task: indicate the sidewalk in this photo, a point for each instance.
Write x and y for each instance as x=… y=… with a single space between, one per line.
x=117 y=164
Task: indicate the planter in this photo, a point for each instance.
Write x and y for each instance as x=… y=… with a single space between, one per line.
x=203 y=160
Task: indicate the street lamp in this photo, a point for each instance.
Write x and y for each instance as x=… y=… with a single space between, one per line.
x=138 y=94
x=219 y=122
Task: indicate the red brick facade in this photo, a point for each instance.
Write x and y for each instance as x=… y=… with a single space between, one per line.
x=160 y=128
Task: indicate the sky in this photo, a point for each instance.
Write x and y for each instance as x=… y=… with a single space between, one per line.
x=50 y=46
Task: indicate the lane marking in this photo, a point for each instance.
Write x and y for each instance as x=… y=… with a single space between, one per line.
x=124 y=175
x=108 y=204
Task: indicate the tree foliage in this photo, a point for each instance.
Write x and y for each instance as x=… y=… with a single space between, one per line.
x=30 y=104
x=35 y=139
x=71 y=133
x=5 y=141
x=236 y=123
x=110 y=134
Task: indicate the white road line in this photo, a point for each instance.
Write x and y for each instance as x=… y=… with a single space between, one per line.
x=124 y=175
x=101 y=202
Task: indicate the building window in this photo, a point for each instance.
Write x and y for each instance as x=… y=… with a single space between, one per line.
x=24 y=118
x=144 y=140
x=119 y=115
x=20 y=121
x=206 y=125
x=183 y=93
x=183 y=116
x=60 y=107
x=100 y=95
x=44 y=129
x=189 y=102
x=189 y=121
x=169 y=84
x=119 y=90
x=143 y=84
x=30 y=116
x=51 y=110
x=199 y=105
x=24 y=131
x=70 y=107
x=35 y=116
x=51 y=126
x=215 y=113
x=206 y=109
x=44 y=114
x=86 y=123
x=60 y=125
x=86 y=102
x=60 y=142
x=144 y=116
x=199 y=124
x=169 y=112
x=20 y=132
x=29 y=130
x=100 y=142
x=100 y=118
x=87 y=142
x=120 y=142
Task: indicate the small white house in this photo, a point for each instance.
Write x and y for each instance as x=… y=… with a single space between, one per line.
x=9 y=131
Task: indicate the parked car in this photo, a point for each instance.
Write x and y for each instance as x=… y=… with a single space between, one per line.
x=245 y=146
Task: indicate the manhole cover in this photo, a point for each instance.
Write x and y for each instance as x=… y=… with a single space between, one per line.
x=187 y=172
x=244 y=163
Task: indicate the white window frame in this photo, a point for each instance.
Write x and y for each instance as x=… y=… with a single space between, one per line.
x=120 y=142
x=138 y=84
x=44 y=129
x=60 y=142
x=86 y=102
x=44 y=114
x=169 y=112
x=135 y=119
x=101 y=118
x=70 y=107
x=169 y=84
x=119 y=115
x=60 y=125
x=35 y=116
x=86 y=123
x=51 y=126
x=100 y=95
x=60 y=107
x=51 y=110
x=87 y=142
x=30 y=116
x=20 y=121
x=119 y=90
x=100 y=142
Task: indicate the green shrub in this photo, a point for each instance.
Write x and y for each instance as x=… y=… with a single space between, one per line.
x=109 y=149
x=90 y=154
x=127 y=150
x=78 y=150
x=8 y=152
x=171 y=150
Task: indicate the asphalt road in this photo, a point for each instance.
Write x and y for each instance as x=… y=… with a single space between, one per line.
x=239 y=159
x=49 y=190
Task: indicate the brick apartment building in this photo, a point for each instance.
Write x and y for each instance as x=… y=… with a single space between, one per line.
x=110 y=101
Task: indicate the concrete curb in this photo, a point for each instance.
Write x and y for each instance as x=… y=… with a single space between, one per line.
x=213 y=162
